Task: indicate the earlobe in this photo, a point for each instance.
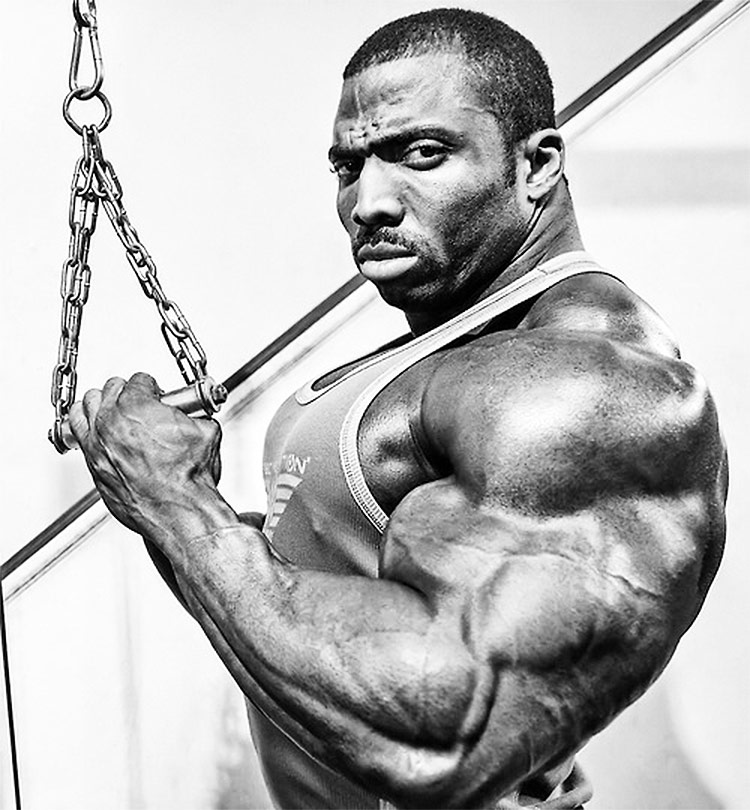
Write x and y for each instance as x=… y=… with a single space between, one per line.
x=545 y=162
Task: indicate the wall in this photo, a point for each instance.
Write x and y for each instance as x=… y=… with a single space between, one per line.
x=221 y=125
x=663 y=191
x=211 y=137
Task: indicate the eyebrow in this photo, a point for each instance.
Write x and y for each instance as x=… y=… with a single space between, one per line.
x=438 y=133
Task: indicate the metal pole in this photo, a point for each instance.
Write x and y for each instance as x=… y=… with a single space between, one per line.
x=9 y=701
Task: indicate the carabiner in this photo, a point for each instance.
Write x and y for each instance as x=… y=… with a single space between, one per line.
x=86 y=91
x=88 y=19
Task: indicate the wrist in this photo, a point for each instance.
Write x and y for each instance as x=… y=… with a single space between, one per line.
x=177 y=515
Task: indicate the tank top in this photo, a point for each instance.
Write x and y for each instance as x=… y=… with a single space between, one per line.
x=322 y=515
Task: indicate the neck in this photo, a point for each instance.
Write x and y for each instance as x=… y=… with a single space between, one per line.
x=552 y=231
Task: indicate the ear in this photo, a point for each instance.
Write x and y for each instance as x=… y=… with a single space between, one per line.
x=544 y=162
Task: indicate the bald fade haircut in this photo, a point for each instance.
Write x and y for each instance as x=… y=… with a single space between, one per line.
x=507 y=73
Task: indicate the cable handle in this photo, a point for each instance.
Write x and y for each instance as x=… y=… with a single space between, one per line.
x=96 y=184
x=203 y=398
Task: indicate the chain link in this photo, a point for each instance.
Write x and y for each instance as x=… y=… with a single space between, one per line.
x=178 y=334
x=76 y=278
x=95 y=181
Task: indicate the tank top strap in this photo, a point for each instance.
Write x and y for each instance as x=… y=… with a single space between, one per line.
x=528 y=286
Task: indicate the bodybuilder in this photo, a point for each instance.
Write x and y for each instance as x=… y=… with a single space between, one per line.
x=482 y=542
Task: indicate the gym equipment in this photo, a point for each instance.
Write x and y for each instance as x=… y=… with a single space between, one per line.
x=94 y=183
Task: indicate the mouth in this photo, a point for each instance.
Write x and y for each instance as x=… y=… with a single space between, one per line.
x=383 y=251
x=384 y=261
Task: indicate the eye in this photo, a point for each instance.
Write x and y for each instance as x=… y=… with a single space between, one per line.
x=347 y=169
x=424 y=155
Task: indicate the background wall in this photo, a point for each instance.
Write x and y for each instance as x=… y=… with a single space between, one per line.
x=221 y=124
x=663 y=193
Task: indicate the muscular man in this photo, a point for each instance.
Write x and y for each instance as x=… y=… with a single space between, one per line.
x=482 y=542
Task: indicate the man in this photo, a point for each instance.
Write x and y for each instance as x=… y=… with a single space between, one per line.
x=482 y=543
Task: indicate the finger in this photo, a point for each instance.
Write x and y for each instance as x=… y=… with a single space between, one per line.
x=92 y=401
x=112 y=388
x=78 y=422
x=144 y=383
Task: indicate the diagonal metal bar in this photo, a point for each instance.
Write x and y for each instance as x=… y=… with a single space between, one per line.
x=625 y=68
x=635 y=60
x=9 y=703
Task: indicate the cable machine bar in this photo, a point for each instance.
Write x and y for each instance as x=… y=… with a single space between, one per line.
x=9 y=702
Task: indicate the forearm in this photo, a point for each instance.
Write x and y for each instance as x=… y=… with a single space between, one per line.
x=362 y=672
x=166 y=572
x=164 y=567
x=355 y=670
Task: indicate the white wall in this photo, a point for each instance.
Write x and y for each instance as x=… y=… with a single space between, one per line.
x=663 y=192
x=221 y=126
x=222 y=115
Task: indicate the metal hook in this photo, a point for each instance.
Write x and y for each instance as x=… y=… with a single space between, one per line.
x=86 y=91
x=87 y=19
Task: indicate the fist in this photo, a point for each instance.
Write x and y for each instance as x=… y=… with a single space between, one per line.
x=146 y=458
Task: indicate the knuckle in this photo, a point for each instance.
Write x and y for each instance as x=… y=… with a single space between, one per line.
x=143 y=381
x=113 y=384
x=91 y=395
x=142 y=377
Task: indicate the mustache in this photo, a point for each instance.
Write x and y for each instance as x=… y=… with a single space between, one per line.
x=386 y=235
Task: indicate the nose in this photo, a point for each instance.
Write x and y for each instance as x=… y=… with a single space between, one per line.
x=378 y=201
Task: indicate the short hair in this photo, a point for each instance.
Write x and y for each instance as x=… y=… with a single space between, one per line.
x=508 y=73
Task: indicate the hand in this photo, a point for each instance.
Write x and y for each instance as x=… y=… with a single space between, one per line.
x=144 y=457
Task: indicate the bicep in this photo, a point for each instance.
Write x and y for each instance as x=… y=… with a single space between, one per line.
x=563 y=626
x=547 y=581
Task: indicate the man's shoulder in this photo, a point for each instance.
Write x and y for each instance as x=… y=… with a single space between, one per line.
x=562 y=374
x=592 y=314
x=578 y=396
x=592 y=319
x=601 y=304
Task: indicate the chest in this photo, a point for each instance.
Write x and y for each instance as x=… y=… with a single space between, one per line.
x=394 y=452
x=313 y=516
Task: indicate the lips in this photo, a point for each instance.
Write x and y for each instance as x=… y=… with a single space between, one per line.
x=381 y=252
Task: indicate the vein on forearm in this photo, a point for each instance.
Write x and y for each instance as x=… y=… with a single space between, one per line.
x=329 y=649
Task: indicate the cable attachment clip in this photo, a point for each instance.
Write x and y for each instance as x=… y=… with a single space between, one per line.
x=85 y=19
x=85 y=23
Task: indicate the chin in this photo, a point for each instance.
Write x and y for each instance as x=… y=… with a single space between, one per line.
x=416 y=305
x=398 y=294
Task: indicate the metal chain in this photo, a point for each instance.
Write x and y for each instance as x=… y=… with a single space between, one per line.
x=95 y=181
x=76 y=279
x=179 y=336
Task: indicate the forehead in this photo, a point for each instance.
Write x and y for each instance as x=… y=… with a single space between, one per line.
x=404 y=91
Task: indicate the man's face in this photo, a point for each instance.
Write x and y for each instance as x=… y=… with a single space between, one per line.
x=424 y=189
